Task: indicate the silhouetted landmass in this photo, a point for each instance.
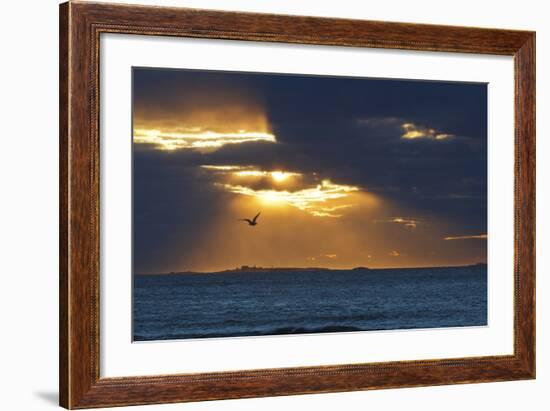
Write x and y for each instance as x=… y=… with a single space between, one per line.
x=248 y=269
x=254 y=269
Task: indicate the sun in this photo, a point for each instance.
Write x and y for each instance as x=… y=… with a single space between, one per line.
x=280 y=176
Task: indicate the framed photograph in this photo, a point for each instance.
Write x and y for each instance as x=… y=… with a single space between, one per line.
x=258 y=205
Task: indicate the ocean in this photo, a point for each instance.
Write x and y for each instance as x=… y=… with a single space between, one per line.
x=252 y=303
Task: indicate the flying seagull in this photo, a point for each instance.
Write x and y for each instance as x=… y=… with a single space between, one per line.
x=253 y=221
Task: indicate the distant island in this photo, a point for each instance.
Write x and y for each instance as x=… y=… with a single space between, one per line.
x=248 y=268
x=253 y=268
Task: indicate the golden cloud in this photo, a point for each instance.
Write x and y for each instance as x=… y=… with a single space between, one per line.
x=467 y=237
x=201 y=117
x=413 y=131
x=277 y=176
x=197 y=138
x=225 y=168
x=304 y=191
x=406 y=222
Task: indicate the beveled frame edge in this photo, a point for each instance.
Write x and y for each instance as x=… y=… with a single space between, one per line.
x=80 y=384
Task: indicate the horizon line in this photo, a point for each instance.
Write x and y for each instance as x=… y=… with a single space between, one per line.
x=252 y=268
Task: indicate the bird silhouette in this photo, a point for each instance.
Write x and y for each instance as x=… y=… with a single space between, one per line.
x=253 y=221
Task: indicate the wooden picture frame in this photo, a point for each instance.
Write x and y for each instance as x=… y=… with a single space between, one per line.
x=80 y=27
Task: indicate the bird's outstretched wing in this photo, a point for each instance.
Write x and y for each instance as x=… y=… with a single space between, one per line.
x=256 y=217
x=246 y=219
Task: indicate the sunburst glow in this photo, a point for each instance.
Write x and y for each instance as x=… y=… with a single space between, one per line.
x=312 y=200
x=281 y=175
x=277 y=176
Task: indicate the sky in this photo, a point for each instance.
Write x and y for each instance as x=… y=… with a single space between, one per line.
x=346 y=172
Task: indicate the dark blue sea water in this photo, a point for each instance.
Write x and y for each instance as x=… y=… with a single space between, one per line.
x=250 y=303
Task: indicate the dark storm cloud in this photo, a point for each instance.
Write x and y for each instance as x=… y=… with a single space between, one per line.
x=347 y=129
x=322 y=118
x=351 y=130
